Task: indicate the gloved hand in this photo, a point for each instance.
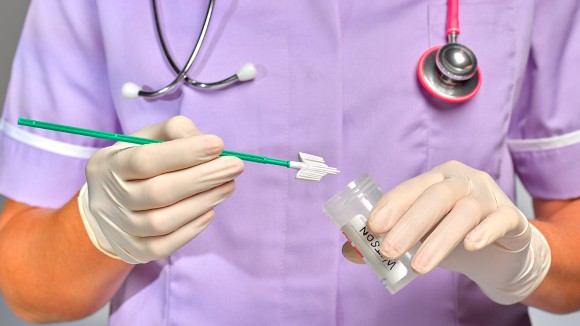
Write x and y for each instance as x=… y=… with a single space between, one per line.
x=143 y=202
x=502 y=252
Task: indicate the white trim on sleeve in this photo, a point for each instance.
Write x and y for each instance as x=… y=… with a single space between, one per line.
x=526 y=145
x=47 y=144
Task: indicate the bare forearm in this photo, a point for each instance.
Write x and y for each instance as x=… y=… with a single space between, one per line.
x=560 y=224
x=50 y=270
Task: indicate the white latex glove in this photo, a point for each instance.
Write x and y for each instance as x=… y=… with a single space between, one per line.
x=502 y=252
x=143 y=202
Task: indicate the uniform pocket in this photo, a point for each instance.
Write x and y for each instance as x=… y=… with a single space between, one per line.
x=474 y=132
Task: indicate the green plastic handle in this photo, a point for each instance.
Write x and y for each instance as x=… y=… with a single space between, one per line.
x=137 y=140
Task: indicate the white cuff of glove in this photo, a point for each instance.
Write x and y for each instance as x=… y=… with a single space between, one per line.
x=533 y=271
x=510 y=269
x=92 y=227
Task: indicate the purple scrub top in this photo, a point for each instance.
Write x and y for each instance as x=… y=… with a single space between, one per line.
x=336 y=79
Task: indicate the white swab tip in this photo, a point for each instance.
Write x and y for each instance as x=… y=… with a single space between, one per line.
x=246 y=72
x=130 y=90
x=312 y=167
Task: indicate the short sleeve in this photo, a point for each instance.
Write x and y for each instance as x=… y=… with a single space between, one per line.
x=544 y=134
x=59 y=75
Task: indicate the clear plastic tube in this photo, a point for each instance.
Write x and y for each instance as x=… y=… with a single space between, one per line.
x=349 y=210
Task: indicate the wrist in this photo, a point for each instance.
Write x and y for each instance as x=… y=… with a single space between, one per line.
x=92 y=228
x=532 y=271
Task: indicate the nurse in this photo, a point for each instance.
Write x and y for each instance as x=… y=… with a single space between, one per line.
x=89 y=221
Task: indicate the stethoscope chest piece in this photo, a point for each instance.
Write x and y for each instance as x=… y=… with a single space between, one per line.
x=450 y=72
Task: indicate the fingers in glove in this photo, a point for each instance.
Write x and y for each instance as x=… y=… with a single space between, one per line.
x=163 y=246
x=396 y=202
x=142 y=250
x=429 y=208
x=506 y=225
x=463 y=218
x=169 y=188
x=173 y=128
x=147 y=161
x=161 y=221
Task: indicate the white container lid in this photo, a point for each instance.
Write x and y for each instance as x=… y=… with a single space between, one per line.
x=358 y=197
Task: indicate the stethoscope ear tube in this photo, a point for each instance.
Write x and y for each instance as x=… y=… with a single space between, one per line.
x=244 y=73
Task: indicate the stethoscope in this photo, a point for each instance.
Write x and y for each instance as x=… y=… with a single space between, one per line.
x=448 y=72
x=245 y=72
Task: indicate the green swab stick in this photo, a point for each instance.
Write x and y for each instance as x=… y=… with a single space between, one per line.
x=310 y=168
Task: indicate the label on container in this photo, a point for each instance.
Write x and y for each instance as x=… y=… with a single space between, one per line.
x=368 y=244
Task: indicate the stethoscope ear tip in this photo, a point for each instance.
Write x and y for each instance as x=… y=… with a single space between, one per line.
x=130 y=90
x=246 y=72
